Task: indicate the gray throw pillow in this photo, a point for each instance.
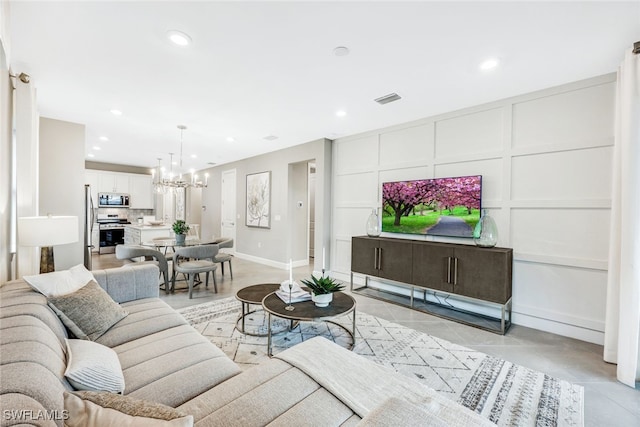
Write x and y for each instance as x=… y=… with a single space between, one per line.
x=89 y=312
x=97 y=409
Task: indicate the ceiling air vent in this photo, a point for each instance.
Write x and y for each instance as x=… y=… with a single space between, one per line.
x=387 y=98
x=270 y=137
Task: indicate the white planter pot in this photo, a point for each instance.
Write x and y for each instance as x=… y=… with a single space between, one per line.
x=322 y=300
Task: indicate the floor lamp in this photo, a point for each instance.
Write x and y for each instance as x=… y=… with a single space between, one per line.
x=45 y=232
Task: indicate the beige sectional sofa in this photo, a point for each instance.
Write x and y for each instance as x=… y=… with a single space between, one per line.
x=165 y=360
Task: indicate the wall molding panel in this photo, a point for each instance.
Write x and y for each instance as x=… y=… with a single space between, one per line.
x=545 y=158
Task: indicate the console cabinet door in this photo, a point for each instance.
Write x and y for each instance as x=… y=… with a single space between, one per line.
x=395 y=259
x=432 y=266
x=484 y=273
x=363 y=255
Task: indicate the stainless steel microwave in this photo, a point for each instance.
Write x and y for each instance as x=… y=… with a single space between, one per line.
x=113 y=200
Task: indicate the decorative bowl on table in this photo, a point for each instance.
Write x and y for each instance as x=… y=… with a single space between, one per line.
x=155 y=222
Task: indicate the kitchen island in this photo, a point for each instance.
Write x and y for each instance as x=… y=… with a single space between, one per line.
x=136 y=234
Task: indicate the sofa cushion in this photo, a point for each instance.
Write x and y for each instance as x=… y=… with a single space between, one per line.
x=129 y=283
x=17 y=299
x=32 y=364
x=273 y=393
x=88 y=312
x=59 y=283
x=157 y=367
x=146 y=317
x=92 y=409
x=159 y=353
x=92 y=366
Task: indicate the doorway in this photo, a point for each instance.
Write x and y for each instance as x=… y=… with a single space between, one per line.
x=228 y=215
x=301 y=205
x=311 y=202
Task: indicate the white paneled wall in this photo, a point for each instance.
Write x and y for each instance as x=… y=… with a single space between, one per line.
x=545 y=161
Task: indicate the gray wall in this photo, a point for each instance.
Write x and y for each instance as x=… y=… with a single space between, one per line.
x=272 y=246
x=61 y=181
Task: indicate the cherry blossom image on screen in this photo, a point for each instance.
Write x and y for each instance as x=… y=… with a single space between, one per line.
x=439 y=206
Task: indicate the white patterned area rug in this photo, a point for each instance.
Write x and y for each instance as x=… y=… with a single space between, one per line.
x=505 y=393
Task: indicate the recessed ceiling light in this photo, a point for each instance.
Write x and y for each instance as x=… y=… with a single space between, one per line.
x=230 y=139
x=90 y=155
x=270 y=137
x=341 y=113
x=116 y=112
x=96 y=148
x=194 y=156
x=103 y=138
x=341 y=51
x=489 y=64
x=179 y=38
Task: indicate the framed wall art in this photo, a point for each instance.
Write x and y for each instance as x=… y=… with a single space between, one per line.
x=259 y=200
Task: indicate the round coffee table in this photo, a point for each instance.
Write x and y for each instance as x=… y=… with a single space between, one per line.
x=341 y=305
x=254 y=294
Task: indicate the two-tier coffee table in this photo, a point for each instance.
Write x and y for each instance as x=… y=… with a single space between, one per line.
x=307 y=311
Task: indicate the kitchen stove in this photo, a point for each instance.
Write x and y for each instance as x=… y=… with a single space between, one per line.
x=111 y=228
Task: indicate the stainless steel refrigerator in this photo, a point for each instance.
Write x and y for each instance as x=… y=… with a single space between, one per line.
x=88 y=225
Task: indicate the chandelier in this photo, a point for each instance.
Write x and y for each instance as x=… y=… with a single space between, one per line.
x=164 y=181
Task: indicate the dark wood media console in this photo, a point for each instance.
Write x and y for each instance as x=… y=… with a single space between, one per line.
x=432 y=272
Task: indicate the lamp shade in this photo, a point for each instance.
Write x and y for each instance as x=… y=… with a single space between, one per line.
x=47 y=230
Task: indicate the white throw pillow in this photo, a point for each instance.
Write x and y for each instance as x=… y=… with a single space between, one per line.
x=92 y=366
x=60 y=283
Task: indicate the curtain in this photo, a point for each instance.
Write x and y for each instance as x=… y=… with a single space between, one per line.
x=622 y=327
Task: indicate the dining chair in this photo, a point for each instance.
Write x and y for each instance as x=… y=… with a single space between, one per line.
x=136 y=253
x=193 y=260
x=222 y=257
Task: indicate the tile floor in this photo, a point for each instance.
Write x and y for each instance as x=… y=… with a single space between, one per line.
x=607 y=402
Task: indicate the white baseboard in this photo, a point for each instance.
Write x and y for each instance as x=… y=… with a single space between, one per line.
x=558 y=328
x=272 y=263
x=535 y=322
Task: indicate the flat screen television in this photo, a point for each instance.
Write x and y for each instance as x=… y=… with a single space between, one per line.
x=438 y=207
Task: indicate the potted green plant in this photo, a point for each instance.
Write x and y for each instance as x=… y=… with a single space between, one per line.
x=322 y=289
x=180 y=228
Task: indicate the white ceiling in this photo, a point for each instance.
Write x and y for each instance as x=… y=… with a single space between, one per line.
x=267 y=68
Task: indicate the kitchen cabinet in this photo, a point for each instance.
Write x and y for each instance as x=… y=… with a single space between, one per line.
x=480 y=277
x=141 y=191
x=139 y=234
x=138 y=186
x=113 y=182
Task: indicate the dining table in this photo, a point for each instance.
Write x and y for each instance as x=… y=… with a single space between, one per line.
x=163 y=244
